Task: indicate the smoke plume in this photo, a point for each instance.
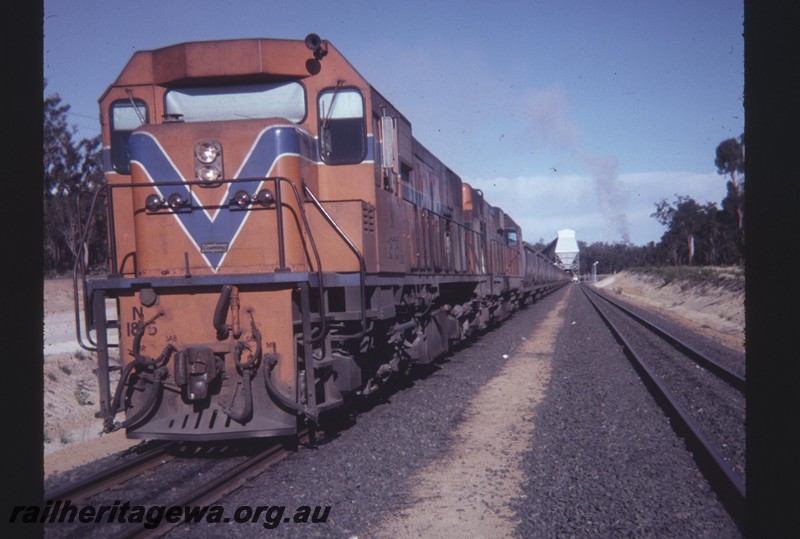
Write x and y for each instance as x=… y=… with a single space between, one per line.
x=548 y=110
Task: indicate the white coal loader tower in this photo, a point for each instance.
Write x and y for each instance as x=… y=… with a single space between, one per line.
x=566 y=251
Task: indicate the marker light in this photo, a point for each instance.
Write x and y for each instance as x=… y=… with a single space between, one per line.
x=265 y=197
x=241 y=199
x=177 y=201
x=154 y=203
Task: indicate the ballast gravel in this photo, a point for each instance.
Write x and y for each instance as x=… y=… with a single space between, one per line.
x=603 y=460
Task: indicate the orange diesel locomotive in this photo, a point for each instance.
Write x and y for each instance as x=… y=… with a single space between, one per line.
x=278 y=242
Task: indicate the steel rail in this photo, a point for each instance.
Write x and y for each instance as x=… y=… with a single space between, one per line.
x=734 y=379
x=730 y=486
x=220 y=486
x=113 y=475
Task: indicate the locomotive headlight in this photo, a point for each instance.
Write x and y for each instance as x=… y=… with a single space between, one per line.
x=208 y=174
x=207 y=152
x=208 y=163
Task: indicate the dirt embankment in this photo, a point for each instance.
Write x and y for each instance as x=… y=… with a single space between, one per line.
x=710 y=300
x=71 y=431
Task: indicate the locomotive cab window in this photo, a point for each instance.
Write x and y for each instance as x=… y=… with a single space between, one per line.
x=511 y=237
x=405 y=181
x=342 y=131
x=125 y=117
x=376 y=152
x=239 y=102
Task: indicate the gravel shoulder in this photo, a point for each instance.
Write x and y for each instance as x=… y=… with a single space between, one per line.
x=473 y=487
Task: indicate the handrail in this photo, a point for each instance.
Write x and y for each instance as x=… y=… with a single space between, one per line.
x=79 y=266
x=279 y=216
x=362 y=266
x=178 y=183
x=320 y=284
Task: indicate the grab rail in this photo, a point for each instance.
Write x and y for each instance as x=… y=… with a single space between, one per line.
x=362 y=266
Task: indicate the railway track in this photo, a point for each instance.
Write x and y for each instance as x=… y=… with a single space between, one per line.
x=665 y=375
x=221 y=483
x=112 y=476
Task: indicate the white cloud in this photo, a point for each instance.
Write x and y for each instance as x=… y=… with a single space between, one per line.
x=542 y=205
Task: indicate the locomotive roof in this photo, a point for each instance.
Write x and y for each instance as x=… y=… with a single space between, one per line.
x=246 y=58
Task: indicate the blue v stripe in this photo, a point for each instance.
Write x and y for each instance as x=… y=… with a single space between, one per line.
x=271 y=144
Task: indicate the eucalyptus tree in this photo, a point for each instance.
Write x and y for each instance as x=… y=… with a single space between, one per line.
x=72 y=172
x=730 y=161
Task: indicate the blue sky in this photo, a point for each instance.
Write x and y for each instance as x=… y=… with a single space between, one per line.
x=569 y=114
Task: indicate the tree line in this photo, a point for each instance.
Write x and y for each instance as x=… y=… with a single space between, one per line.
x=697 y=234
